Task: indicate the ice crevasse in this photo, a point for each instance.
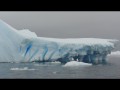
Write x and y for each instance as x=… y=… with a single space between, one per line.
x=26 y=46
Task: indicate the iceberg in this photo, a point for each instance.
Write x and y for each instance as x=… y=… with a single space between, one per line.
x=26 y=46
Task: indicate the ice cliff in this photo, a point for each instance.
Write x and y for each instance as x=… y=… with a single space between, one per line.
x=25 y=46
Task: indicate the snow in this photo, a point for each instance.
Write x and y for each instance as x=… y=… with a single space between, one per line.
x=56 y=62
x=27 y=33
x=81 y=41
x=76 y=63
x=26 y=46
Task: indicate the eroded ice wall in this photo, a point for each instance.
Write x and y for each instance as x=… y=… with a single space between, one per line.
x=89 y=50
x=25 y=46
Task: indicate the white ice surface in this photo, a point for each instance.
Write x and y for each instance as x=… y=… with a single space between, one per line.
x=27 y=33
x=22 y=69
x=76 y=63
x=116 y=53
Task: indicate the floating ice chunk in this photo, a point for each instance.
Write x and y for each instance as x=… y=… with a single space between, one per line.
x=76 y=63
x=116 y=53
x=54 y=72
x=21 y=69
x=56 y=62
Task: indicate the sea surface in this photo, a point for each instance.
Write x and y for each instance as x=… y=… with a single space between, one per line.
x=58 y=71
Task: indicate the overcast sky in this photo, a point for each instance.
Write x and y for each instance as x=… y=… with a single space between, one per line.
x=66 y=24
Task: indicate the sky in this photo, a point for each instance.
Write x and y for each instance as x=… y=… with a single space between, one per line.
x=66 y=24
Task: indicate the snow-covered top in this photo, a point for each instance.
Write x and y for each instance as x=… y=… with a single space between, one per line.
x=78 y=41
x=6 y=26
x=82 y=41
x=27 y=33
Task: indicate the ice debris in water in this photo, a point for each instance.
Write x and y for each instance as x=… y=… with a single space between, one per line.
x=76 y=63
x=21 y=69
x=116 y=53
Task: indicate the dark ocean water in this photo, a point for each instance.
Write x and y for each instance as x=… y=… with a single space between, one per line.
x=50 y=70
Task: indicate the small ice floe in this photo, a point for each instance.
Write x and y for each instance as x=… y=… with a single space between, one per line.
x=21 y=69
x=54 y=72
x=56 y=62
x=116 y=53
x=76 y=63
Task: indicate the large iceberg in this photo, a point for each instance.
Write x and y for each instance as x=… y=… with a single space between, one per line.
x=25 y=46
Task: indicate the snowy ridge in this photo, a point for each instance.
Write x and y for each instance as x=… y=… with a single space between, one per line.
x=27 y=33
x=25 y=46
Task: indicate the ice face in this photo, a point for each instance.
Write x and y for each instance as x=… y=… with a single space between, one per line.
x=25 y=46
